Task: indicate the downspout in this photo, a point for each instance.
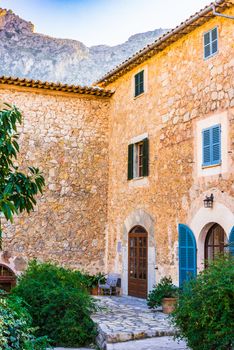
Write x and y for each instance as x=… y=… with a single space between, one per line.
x=220 y=14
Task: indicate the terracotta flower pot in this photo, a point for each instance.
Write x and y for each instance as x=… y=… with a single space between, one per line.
x=168 y=305
x=94 y=291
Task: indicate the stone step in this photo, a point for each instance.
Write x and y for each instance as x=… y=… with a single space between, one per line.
x=159 y=343
x=127 y=319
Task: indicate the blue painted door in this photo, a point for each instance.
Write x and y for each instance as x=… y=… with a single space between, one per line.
x=231 y=242
x=187 y=254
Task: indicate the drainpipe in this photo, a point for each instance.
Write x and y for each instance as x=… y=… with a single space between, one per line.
x=220 y=14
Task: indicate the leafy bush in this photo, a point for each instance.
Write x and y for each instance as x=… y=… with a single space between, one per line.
x=58 y=303
x=15 y=327
x=164 y=289
x=205 y=312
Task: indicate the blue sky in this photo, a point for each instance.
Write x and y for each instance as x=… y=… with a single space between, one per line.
x=102 y=21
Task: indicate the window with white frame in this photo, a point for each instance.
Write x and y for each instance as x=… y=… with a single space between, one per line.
x=210 y=43
x=138 y=159
x=211 y=146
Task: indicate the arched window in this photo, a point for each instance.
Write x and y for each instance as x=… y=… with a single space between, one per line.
x=7 y=278
x=216 y=241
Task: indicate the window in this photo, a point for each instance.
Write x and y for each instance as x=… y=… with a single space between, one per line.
x=138 y=159
x=215 y=243
x=211 y=145
x=139 y=83
x=210 y=43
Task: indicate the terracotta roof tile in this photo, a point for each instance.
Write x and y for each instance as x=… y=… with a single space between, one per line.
x=37 y=84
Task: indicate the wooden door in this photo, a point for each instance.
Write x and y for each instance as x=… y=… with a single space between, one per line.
x=137 y=262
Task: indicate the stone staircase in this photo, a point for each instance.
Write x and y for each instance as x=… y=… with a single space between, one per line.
x=123 y=319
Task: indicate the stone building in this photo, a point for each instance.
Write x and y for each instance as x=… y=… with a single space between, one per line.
x=128 y=172
x=65 y=134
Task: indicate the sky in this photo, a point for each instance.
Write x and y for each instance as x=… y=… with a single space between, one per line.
x=107 y=22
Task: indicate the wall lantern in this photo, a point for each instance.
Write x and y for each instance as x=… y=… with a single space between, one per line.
x=208 y=201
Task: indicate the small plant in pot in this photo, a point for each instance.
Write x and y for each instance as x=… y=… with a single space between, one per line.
x=91 y=282
x=165 y=293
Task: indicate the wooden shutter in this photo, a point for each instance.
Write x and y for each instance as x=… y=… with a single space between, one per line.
x=146 y=157
x=139 y=83
x=231 y=242
x=206 y=146
x=130 y=161
x=211 y=145
x=216 y=144
x=136 y=85
x=214 y=41
x=187 y=254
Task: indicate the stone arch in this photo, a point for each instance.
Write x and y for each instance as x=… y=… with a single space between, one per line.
x=203 y=220
x=139 y=217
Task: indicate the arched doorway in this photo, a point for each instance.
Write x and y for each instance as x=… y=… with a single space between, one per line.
x=137 y=262
x=215 y=242
x=7 y=278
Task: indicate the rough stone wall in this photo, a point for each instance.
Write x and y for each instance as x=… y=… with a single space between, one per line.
x=181 y=88
x=66 y=137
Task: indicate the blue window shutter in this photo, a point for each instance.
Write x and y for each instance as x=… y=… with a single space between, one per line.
x=231 y=242
x=216 y=144
x=187 y=254
x=211 y=145
x=206 y=146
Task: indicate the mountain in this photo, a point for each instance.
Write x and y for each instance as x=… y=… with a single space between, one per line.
x=26 y=54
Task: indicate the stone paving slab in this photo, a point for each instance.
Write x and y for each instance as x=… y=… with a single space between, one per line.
x=124 y=319
x=159 y=343
x=73 y=349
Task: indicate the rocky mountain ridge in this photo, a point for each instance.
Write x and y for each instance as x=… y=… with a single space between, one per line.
x=26 y=54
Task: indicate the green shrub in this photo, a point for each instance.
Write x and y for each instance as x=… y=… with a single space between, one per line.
x=164 y=289
x=15 y=327
x=205 y=312
x=58 y=303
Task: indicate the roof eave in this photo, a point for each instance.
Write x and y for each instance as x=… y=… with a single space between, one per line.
x=148 y=51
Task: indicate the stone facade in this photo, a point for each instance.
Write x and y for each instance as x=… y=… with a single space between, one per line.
x=181 y=89
x=65 y=135
x=81 y=143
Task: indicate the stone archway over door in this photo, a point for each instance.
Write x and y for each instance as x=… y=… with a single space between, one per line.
x=137 y=262
x=203 y=220
x=143 y=219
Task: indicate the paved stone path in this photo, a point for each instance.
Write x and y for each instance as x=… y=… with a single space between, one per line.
x=160 y=343
x=123 y=319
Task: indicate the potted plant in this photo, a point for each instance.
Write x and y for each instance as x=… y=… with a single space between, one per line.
x=165 y=293
x=91 y=282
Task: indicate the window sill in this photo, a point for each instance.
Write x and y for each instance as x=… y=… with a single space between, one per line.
x=139 y=181
x=211 y=56
x=136 y=97
x=211 y=166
